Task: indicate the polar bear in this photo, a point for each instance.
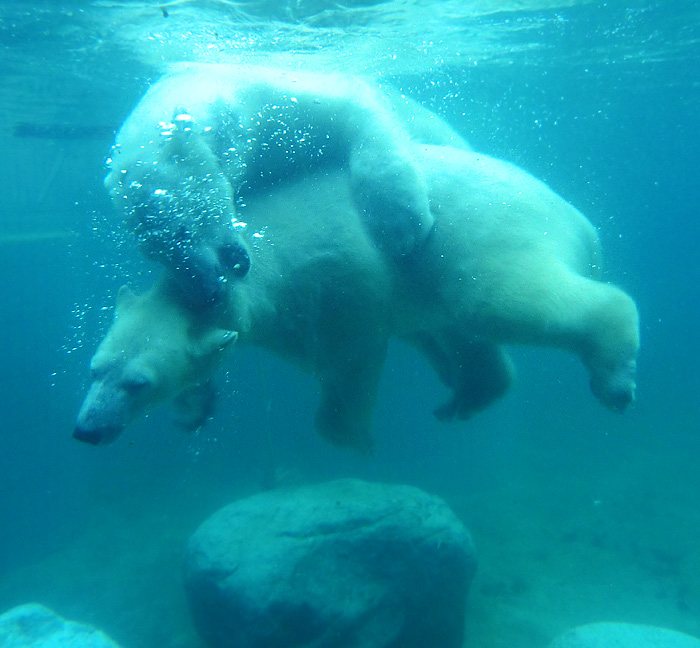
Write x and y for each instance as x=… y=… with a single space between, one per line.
x=203 y=134
x=508 y=262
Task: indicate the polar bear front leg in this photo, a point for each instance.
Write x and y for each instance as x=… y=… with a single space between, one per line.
x=349 y=386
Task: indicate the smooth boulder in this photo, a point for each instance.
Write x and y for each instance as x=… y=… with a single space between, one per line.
x=35 y=626
x=341 y=564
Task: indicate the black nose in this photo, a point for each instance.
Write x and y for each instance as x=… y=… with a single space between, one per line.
x=93 y=437
x=234 y=258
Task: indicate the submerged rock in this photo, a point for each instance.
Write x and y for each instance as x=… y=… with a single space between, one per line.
x=35 y=626
x=623 y=635
x=343 y=564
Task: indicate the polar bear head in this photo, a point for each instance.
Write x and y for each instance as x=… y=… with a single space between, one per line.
x=154 y=350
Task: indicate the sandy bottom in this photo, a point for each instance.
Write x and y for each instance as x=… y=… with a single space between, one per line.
x=607 y=561
x=553 y=553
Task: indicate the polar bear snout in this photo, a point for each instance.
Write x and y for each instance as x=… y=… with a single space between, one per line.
x=96 y=436
x=103 y=416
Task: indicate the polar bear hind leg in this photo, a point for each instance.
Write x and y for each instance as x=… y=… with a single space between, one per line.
x=477 y=372
x=559 y=308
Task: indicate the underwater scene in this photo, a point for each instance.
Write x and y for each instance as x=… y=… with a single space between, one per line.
x=371 y=382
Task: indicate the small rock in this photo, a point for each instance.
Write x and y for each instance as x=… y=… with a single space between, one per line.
x=35 y=626
x=623 y=635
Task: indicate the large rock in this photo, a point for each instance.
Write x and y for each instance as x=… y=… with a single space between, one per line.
x=346 y=564
x=623 y=635
x=34 y=626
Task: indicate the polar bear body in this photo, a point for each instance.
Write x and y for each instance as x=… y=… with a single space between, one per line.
x=202 y=135
x=508 y=261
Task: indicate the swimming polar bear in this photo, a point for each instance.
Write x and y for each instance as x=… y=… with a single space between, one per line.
x=508 y=261
x=202 y=135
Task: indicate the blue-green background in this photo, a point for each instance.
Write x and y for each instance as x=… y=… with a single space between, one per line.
x=579 y=515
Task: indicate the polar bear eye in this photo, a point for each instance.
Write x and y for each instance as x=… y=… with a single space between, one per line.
x=98 y=372
x=136 y=382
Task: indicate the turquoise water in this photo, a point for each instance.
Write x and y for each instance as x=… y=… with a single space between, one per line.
x=579 y=515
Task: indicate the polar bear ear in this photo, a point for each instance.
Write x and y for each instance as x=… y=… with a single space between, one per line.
x=125 y=297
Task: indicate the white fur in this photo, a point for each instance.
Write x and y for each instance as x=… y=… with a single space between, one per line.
x=508 y=261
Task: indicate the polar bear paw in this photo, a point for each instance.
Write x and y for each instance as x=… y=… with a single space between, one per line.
x=202 y=272
x=615 y=388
